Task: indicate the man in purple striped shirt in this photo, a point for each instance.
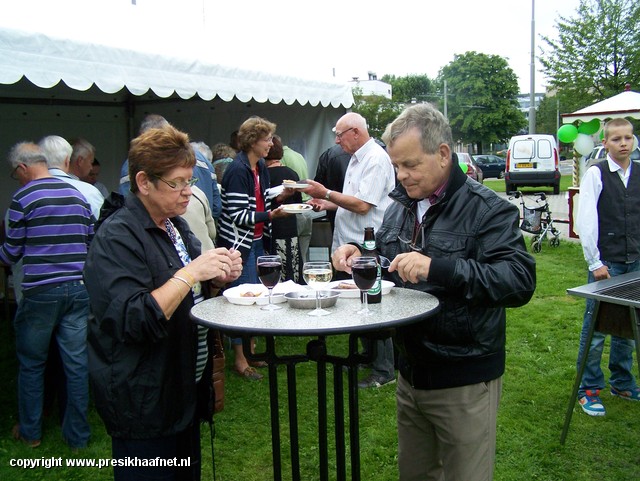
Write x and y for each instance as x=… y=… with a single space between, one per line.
x=49 y=228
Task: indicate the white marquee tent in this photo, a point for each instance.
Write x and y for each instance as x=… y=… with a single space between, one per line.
x=625 y=104
x=59 y=86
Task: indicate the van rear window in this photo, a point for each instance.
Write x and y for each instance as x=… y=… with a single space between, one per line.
x=525 y=149
x=545 y=149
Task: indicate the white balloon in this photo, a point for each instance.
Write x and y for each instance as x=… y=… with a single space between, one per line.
x=583 y=144
x=635 y=142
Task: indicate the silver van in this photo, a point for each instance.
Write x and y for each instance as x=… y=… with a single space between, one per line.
x=532 y=160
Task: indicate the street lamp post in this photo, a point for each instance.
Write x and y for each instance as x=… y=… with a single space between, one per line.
x=446 y=116
x=532 y=94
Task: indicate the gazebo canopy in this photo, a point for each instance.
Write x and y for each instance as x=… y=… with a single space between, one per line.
x=625 y=104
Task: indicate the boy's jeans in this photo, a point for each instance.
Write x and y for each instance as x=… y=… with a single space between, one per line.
x=621 y=352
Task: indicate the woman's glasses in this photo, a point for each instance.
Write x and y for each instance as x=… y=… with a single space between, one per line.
x=410 y=224
x=178 y=184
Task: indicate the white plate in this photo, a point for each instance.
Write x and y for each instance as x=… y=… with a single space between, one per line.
x=297 y=208
x=297 y=185
x=234 y=295
x=352 y=293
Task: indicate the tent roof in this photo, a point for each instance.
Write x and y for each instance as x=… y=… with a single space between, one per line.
x=45 y=61
x=625 y=104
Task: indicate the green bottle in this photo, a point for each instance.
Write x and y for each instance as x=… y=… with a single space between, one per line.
x=374 y=295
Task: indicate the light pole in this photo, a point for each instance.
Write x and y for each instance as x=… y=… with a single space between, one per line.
x=446 y=116
x=532 y=94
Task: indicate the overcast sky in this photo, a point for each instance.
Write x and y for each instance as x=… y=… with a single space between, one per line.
x=324 y=40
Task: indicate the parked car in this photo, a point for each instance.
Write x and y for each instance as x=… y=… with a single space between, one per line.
x=491 y=165
x=599 y=153
x=473 y=169
x=532 y=161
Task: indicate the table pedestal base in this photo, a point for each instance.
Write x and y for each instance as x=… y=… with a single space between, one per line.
x=317 y=351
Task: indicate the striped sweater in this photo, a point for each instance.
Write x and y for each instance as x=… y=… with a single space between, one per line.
x=49 y=227
x=239 y=204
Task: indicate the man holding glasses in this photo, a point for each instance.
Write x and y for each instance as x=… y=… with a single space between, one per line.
x=454 y=238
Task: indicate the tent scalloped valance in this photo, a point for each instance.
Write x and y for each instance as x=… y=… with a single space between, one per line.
x=624 y=104
x=45 y=61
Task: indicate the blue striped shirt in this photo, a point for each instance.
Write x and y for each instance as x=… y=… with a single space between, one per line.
x=50 y=226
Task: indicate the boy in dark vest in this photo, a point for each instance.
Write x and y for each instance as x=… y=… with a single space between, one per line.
x=609 y=227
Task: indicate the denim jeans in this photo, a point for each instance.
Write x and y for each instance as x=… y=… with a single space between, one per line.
x=249 y=272
x=382 y=364
x=62 y=312
x=620 y=354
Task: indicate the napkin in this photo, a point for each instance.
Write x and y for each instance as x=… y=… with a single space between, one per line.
x=275 y=191
x=288 y=286
x=280 y=288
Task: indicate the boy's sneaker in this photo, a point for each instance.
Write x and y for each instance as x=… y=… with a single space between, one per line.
x=375 y=381
x=591 y=403
x=631 y=395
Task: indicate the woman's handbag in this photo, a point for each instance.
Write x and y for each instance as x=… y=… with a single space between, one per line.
x=217 y=377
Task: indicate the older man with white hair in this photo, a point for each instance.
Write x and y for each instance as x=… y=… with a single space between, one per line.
x=365 y=196
x=58 y=153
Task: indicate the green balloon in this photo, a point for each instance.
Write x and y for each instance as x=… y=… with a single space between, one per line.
x=567 y=133
x=463 y=167
x=590 y=127
x=602 y=134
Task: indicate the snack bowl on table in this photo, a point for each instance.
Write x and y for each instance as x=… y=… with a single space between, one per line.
x=307 y=299
x=249 y=294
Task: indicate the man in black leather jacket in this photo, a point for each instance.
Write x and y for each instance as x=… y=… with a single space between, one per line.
x=454 y=238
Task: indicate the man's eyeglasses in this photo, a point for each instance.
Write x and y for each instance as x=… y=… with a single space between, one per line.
x=178 y=184
x=410 y=224
x=340 y=134
x=14 y=172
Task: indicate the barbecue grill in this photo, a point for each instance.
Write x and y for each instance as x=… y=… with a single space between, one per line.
x=615 y=313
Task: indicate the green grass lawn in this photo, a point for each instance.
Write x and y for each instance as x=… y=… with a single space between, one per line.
x=542 y=344
x=498 y=185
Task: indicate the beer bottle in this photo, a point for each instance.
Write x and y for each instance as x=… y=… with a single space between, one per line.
x=374 y=295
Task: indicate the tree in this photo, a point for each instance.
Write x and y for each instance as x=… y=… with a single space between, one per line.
x=482 y=98
x=553 y=104
x=378 y=110
x=410 y=88
x=596 y=53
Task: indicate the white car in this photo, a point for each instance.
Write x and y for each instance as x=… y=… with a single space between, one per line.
x=599 y=153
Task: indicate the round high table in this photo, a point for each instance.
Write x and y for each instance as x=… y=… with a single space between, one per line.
x=398 y=308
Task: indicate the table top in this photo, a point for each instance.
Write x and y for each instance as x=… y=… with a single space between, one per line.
x=399 y=307
x=623 y=290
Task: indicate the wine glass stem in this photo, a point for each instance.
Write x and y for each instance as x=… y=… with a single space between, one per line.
x=364 y=301
x=317 y=300
x=270 y=290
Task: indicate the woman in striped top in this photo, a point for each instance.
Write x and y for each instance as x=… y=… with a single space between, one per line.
x=246 y=211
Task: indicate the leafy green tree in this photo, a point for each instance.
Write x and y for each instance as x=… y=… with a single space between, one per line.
x=482 y=100
x=379 y=111
x=596 y=53
x=553 y=104
x=410 y=88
